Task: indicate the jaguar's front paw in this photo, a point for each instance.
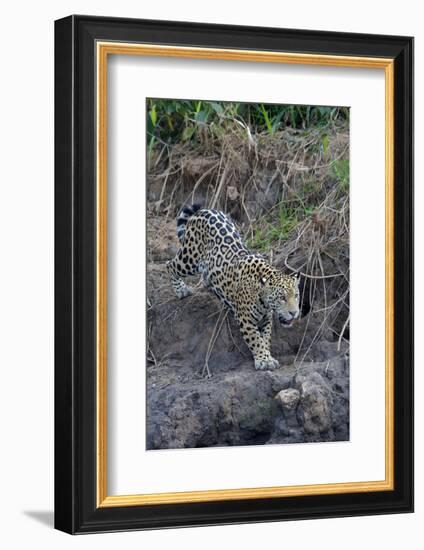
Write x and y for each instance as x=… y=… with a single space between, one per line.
x=183 y=291
x=268 y=363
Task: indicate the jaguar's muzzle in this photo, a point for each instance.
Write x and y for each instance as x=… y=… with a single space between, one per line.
x=287 y=320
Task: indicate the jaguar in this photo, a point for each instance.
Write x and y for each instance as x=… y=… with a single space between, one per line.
x=244 y=281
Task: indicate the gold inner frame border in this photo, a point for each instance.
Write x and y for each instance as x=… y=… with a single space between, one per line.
x=103 y=50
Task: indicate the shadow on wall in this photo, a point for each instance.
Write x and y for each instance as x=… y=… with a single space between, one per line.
x=45 y=517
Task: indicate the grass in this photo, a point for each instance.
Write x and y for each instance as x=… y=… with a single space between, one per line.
x=174 y=121
x=340 y=170
x=276 y=228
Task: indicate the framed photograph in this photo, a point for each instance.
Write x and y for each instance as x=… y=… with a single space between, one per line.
x=234 y=274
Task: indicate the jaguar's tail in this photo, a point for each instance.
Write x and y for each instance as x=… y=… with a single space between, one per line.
x=183 y=217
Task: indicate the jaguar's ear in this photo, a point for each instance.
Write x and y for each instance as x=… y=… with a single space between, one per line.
x=263 y=280
x=297 y=276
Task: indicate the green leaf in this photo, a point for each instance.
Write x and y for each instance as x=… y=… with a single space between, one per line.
x=276 y=121
x=325 y=142
x=266 y=118
x=201 y=116
x=187 y=133
x=153 y=115
x=217 y=107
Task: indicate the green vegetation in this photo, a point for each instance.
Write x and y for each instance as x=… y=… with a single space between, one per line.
x=172 y=121
x=340 y=169
x=277 y=226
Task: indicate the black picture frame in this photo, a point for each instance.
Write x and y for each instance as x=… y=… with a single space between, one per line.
x=76 y=510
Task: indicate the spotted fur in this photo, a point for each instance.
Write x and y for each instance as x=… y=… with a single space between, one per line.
x=243 y=281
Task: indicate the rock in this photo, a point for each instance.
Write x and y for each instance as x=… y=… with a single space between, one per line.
x=239 y=407
x=303 y=402
x=232 y=409
x=316 y=404
x=288 y=399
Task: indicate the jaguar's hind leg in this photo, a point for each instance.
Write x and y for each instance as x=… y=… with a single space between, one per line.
x=180 y=267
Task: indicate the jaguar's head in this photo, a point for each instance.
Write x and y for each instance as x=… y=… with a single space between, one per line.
x=281 y=294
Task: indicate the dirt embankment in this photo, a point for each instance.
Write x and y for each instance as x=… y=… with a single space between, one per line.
x=289 y=197
x=238 y=405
